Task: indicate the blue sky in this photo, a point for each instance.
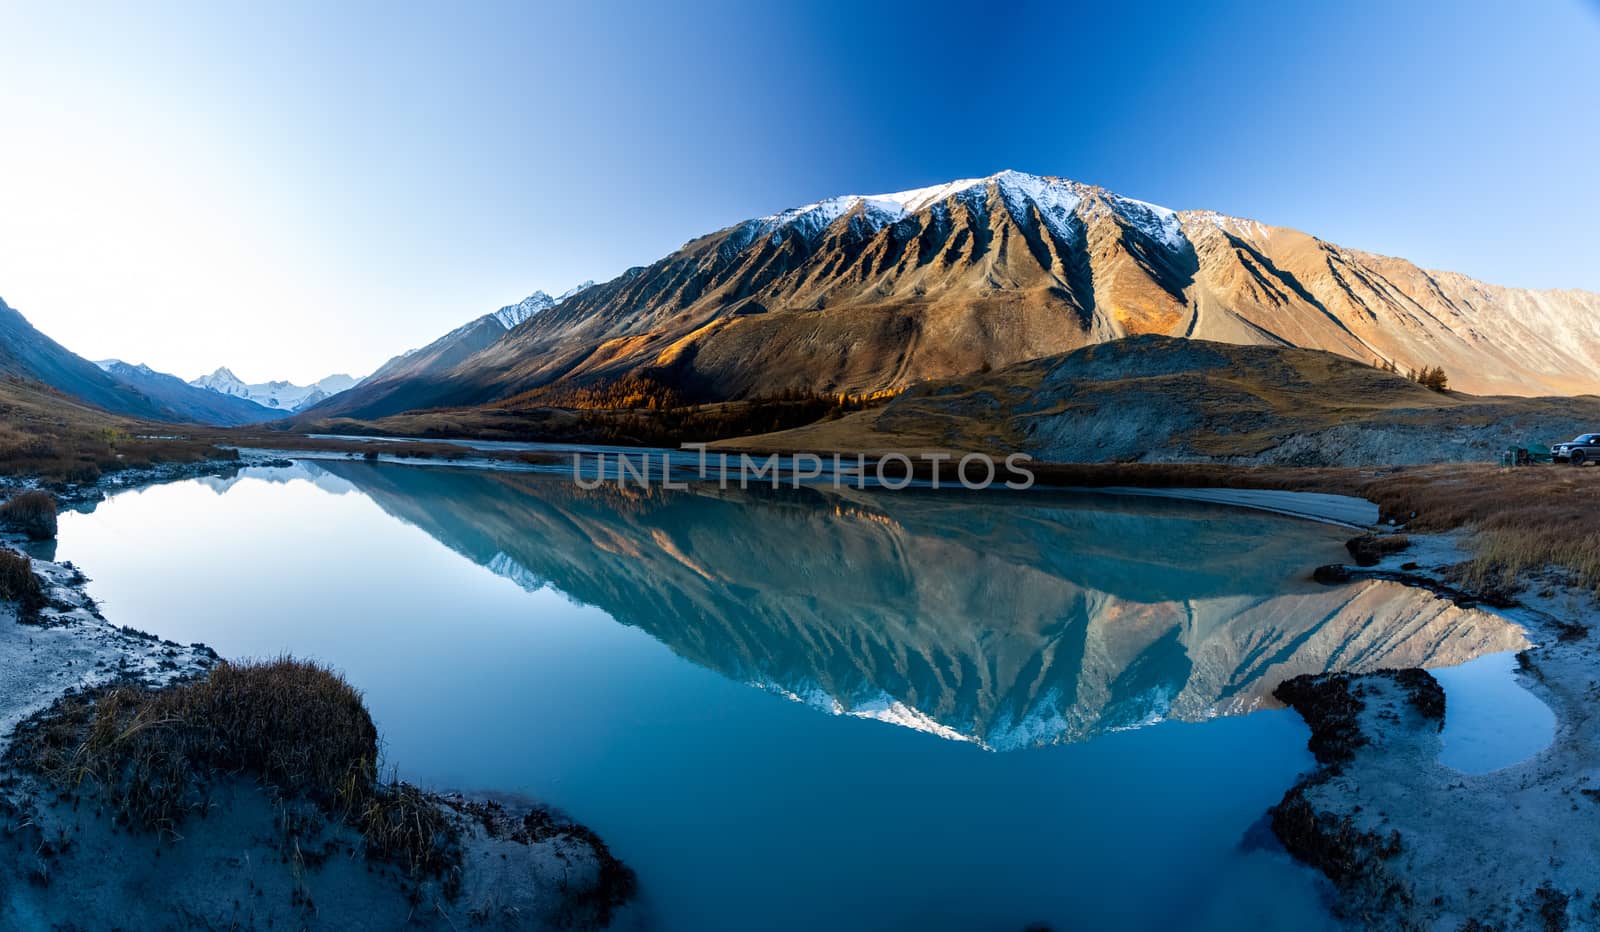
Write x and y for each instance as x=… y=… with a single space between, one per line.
x=291 y=190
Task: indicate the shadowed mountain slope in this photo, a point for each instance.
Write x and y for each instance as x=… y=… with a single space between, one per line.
x=27 y=354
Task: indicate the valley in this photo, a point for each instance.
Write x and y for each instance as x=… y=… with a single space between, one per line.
x=1135 y=357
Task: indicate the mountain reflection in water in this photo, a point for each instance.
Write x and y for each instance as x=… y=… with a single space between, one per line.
x=1011 y=621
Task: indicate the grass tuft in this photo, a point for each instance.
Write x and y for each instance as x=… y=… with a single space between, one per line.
x=400 y=825
x=18 y=582
x=154 y=754
x=31 y=513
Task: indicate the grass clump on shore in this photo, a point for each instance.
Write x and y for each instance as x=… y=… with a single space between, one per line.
x=32 y=513
x=154 y=755
x=18 y=583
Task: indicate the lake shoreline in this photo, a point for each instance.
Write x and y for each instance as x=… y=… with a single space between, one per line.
x=1415 y=882
x=518 y=867
x=1411 y=843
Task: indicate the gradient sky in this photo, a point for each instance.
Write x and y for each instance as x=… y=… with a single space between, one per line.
x=292 y=191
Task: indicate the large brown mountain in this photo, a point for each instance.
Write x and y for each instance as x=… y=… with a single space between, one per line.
x=865 y=293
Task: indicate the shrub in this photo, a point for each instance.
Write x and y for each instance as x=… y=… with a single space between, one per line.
x=17 y=582
x=1370 y=549
x=1433 y=378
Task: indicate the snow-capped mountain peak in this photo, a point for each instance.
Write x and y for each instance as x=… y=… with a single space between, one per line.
x=279 y=395
x=513 y=314
x=574 y=290
x=116 y=366
x=1057 y=201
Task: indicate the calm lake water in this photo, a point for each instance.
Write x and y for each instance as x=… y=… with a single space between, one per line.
x=808 y=709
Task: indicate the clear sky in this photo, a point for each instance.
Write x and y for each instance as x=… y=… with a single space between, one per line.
x=297 y=189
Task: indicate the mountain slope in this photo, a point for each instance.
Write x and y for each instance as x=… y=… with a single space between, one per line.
x=460 y=344
x=25 y=353
x=1162 y=399
x=280 y=397
x=866 y=293
x=185 y=400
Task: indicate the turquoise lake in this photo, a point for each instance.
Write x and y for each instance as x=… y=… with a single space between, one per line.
x=808 y=709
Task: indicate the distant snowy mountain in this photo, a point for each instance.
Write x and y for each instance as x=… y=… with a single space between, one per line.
x=187 y=401
x=279 y=396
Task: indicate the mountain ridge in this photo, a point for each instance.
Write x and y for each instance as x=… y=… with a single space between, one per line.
x=868 y=293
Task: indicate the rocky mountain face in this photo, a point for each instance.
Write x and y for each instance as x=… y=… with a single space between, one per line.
x=865 y=293
x=280 y=397
x=187 y=401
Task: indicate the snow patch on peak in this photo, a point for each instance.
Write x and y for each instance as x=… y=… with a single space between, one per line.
x=513 y=314
x=1228 y=224
x=1055 y=200
x=1154 y=221
x=574 y=290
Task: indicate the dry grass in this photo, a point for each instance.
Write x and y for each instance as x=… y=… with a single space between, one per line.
x=154 y=755
x=1523 y=518
x=32 y=513
x=56 y=438
x=402 y=826
x=18 y=583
